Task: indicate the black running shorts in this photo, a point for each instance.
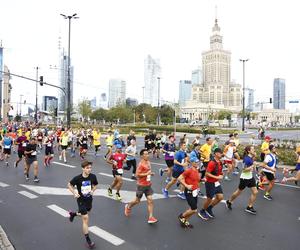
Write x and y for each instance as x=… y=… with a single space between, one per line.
x=84 y=205
x=249 y=183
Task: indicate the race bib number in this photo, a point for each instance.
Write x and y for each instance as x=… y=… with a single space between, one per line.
x=86 y=188
x=24 y=144
x=120 y=171
x=171 y=153
x=6 y=146
x=195 y=193
x=217 y=184
x=148 y=177
x=33 y=153
x=49 y=144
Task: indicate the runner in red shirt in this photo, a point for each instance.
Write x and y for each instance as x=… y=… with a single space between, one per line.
x=190 y=179
x=143 y=175
x=117 y=160
x=214 y=192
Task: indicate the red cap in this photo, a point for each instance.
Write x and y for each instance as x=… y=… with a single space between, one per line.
x=268 y=138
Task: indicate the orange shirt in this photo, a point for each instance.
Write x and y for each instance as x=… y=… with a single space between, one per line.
x=142 y=169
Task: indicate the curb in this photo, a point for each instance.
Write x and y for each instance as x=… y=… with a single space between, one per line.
x=4 y=241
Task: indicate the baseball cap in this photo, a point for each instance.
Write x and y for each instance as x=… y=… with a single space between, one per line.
x=218 y=150
x=86 y=163
x=194 y=159
x=118 y=146
x=268 y=138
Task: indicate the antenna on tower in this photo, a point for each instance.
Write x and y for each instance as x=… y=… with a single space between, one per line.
x=216 y=13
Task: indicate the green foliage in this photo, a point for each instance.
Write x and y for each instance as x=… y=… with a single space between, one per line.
x=84 y=108
x=224 y=114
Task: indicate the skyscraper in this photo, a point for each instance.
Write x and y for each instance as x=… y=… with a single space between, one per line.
x=116 y=92
x=185 y=91
x=1 y=79
x=197 y=76
x=63 y=79
x=216 y=87
x=249 y=99
x=50 y=103
x=279 y=93
x=152 y=71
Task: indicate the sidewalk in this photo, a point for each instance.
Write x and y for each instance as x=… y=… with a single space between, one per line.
x=4 y=241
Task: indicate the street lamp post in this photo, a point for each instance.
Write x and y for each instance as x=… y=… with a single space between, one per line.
x=243 y=118
x=36 y=94
x=69 y=64
x=21 y=105
x=158 y=98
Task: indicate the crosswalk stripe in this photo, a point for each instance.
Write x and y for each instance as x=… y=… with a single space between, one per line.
x=2 y=184
x=59 y=210
x=159 y=164
x=286 y=185
x=109 y=175
x=63 y=164
x=28 y=195
x=106 y=235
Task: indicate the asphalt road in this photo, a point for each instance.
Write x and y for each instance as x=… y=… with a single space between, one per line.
x=31 y=223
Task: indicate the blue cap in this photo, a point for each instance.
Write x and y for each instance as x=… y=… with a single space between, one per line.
x=118 y=146
x=194 y=159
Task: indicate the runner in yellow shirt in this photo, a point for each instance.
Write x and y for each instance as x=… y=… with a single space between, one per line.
x=109 y=139
x=205 y=151
x=265 y=148
x=96 y=140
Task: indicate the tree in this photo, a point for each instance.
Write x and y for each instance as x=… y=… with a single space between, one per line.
x=84 y=109
x=224 y=114
x=99 y=114
x=166 y=114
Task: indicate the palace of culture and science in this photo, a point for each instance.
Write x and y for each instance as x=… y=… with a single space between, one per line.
x=216 y=91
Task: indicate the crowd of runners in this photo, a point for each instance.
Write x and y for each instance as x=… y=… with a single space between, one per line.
x=189 y=166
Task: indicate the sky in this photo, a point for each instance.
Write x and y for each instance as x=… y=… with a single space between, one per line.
x=112 y=38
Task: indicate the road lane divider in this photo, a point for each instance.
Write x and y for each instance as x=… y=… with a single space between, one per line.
x=2 y=184
x=59 y=210
x=28 y=195
x=64 y=164
x=110 y=175
x=106 y=235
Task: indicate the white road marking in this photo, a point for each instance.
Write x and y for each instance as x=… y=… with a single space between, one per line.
x=110 y=175
x=106 y=235
x=2 y=184
x=28 y=195
x=64 y=164
x=59 y=210
x=202 y=197
x=286 y=185
x=127 y=196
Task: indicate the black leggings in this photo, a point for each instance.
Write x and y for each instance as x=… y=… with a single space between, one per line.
x=129 y=164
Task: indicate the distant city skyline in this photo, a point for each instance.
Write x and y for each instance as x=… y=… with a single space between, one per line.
x=117 y=48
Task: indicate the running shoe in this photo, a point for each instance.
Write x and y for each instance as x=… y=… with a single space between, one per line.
x=188 y=225
x=109 y=191
x=160 y=171
x=203 y=215
x=235 y=172
x=268 y=197
x=36 y=180
x=228 y=205
x=118 y=197
x=15 y=165
x=72 y=216
x=165 y=193
x=60 y=158
x=181 y=196
x=209 y=212
x=181 y=220
x=127 y=210
x=152 y=220
x=26 y=177
x=6 y=163
x=90 y=244
x=226 y=178
x=250 y=210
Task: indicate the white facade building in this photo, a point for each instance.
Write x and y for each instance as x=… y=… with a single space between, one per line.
x=275 y=116
x=216 y=89
x=152 y=71
x=116 y=92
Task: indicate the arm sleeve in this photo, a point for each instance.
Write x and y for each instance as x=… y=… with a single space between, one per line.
x=95 y=181
x=210 y=167
x=73 y=181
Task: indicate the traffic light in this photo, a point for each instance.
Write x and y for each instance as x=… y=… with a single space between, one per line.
x=41 y=80
x=270 y=100
x=55 y=112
